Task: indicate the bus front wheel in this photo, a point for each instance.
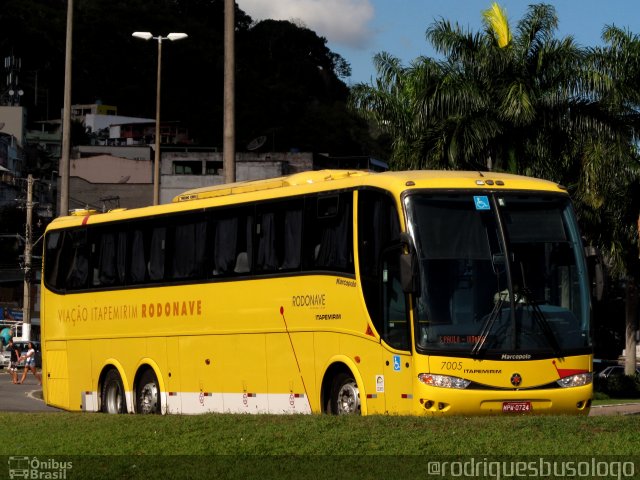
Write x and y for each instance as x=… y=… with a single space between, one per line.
x=148 y=393
x=345 y=395
x=113 y=399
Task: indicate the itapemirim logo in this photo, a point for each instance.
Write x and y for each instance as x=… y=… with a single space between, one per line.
x=35 y=468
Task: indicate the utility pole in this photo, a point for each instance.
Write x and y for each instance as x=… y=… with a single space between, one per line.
x=229 y=129
x=65 y=163
x=26 y=304
x=157 y=157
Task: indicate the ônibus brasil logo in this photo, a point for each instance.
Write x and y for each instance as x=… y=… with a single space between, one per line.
x=35 y=468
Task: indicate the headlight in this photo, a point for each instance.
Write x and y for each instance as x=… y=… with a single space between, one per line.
x=577 y=380
x=443 y=381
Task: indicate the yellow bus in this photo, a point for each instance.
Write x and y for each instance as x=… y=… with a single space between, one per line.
x=342 y=292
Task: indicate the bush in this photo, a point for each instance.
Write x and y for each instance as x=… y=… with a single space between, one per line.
x=598 y=395
x=620 y=386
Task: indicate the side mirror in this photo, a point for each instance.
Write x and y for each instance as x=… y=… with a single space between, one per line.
x=409 y=272
x=596 y=272
x=409 y=277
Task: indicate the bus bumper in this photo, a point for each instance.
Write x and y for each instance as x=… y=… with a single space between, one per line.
x=556 y=401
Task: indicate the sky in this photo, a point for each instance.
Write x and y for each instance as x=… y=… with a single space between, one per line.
x=358 y=29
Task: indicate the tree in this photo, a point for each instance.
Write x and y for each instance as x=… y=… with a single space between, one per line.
x=289 y=84
x=525 y=102
x=500 y=103
x=290 y=90
x=612 y=205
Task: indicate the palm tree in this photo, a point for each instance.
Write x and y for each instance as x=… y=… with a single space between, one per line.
x=495 y=101
x=526 y=102
x=390 y=105
x=610 y=194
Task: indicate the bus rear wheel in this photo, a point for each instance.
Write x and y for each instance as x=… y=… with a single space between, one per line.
x=113 y=398
x=148 y=393
x=345 y=395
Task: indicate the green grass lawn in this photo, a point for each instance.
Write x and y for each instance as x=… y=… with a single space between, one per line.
x=240 y=446
x=215 y=434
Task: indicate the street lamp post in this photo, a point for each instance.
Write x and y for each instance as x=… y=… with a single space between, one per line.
x=156 y=162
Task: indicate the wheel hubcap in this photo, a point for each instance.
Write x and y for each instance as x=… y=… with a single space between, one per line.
x=114 y=399
x=149 y=398
x=348 y=399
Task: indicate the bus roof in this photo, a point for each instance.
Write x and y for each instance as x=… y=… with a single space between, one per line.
x=413 y=178
x=317 y=181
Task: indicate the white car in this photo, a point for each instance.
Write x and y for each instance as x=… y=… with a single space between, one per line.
x=5 y=358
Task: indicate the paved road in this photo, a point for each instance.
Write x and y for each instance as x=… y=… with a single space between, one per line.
x=620 y=409
x=28 y=398
x=21 y=398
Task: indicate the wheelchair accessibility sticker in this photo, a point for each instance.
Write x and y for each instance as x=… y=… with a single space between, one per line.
x=482 y=202
x=396 y=363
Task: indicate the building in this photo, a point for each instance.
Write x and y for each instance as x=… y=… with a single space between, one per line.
x=118 y=166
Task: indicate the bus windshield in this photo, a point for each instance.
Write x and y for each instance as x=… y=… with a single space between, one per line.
x=502 y=275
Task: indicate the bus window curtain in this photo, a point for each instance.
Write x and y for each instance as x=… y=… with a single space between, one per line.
x=52 y=260
x=79 y=264
x=138 y=258
x=335 y=243
x=225 y=242
x=121 y=259
x=107 y=260
x=292 y=239
x=248 y=244
x=189 y=248
x=267 y=258
x=156 y=253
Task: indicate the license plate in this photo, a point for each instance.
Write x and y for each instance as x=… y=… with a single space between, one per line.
x=516 y=407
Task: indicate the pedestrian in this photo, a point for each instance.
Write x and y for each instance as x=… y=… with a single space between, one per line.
x=13 y=363
x=30 y=363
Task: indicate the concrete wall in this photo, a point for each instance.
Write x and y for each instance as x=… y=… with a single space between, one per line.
x=116 y=174
x=249 y=166
x=174 y=185
x=131 y=195
x=142 y=152
x=110 y=169
x=97 y=122
x=14 y=121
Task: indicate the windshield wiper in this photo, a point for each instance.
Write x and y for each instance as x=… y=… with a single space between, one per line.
x=488 y=324
x=541 y=321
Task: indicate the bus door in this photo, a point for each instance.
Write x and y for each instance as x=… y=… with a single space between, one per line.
x=396 y=338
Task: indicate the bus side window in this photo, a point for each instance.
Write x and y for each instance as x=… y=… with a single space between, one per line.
x=292 y=238
x=395 y=325
x=279 y=236
x=328 y=233
x=103 y=256
x=189 y=247
x=378 y=226
x=78 y=260
x=138 y=263
x=157 y=251
x=267 y=259
x=232 y=242
x=53 y=254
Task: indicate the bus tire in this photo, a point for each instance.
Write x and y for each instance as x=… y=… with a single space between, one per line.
x=345 y=395
x=113 y=398
x=148 y=393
